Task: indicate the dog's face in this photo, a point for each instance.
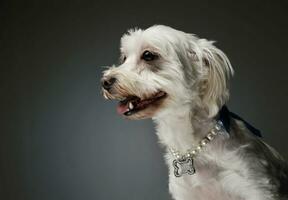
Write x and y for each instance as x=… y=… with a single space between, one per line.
x=161 y=70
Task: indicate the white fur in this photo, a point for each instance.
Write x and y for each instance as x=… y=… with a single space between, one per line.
x=215 y=177
x=194 y=73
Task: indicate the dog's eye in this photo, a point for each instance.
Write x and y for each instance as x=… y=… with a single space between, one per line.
x=148 y=56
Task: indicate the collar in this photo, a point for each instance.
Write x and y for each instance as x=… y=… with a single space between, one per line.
x=183 y=163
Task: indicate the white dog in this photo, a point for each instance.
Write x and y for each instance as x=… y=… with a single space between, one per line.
x=180 y=81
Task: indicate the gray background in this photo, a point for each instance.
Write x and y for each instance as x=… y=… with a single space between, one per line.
x=59 y=139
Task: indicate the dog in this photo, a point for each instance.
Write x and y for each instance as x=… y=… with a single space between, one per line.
x=181 y=82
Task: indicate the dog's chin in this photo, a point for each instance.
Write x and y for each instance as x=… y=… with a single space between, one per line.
x=133 y=107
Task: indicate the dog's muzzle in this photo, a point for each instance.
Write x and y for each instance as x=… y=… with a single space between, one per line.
x=130 y=100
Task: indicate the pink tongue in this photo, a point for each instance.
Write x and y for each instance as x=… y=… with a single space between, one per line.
x=122 y=108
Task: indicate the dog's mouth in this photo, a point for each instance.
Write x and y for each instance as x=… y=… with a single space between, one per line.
x=133 y=104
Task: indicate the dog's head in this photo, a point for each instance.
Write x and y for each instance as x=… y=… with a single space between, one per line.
x=162 y=70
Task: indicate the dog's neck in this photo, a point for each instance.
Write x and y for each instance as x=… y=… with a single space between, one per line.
x=182 y=129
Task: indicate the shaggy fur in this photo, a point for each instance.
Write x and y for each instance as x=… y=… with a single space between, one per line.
x=193 y=74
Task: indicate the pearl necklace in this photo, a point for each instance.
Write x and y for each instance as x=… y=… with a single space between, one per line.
x=183 y=163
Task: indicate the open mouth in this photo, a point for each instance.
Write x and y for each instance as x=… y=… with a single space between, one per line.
x=133 y=104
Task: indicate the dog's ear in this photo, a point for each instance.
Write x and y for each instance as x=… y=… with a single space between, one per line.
x=215 y=73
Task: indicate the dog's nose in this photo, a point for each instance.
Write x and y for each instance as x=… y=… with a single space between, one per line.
x=107 y=83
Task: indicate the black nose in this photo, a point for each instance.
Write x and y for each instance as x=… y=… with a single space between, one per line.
x=107 y=83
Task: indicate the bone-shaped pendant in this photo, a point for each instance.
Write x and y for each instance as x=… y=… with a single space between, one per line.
x=183 y=166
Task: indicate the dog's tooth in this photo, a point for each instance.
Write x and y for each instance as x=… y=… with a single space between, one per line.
x=105 y=96
x=128 y=113
x=130 y=105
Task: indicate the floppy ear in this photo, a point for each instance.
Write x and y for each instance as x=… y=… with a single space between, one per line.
x=216 y=71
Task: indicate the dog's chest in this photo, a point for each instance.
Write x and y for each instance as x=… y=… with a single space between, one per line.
x=204 y=184
x=185 y=190
x=198 y=186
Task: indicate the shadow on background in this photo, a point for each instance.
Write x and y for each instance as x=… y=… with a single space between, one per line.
x=60 y=140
